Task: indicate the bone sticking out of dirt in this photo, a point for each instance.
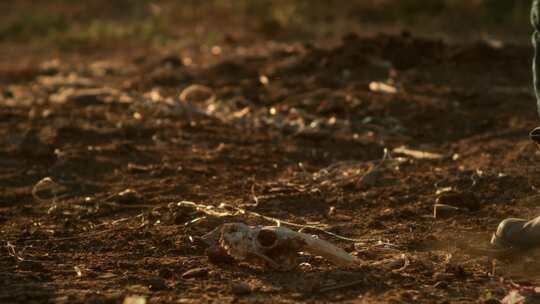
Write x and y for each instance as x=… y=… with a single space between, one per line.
x=381 y=87
x=47 y=186
x=271 y=246
x=417 y=153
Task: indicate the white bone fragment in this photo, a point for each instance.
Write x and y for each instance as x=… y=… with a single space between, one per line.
x=417 y=153
x=381 y=87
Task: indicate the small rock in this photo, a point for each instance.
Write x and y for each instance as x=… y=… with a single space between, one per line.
x=464 y=200
x=444 y=211
x=240 y=288
x=195 y=273
x=196 y=93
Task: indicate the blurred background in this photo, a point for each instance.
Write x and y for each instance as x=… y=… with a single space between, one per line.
x=74 y=23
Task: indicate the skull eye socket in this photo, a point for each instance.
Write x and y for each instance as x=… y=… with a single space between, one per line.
x=266 y=238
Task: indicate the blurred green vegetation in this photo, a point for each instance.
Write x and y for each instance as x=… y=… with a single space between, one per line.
x=158 y=21
x=308 y=12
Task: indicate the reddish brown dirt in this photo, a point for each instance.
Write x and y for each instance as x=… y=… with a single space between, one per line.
x=297 y=141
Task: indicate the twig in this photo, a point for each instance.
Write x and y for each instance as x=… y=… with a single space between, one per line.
x=208 y=210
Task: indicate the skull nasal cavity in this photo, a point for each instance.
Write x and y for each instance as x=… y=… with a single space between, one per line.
x=267 y=238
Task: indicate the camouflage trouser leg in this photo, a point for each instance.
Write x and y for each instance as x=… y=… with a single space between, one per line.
x=535 y=20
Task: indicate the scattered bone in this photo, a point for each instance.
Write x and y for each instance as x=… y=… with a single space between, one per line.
x=61 y=81
x=77 y=271
x=264 y=80
x=444 y=211
x=417 y=153
x=381 y=87
x=197 y=93
x=47 y=187
x=493 y=42
x=271 y=246
x=465 y=200
x=195 y=273
x=83 y=96
x=332 y=211
x=517 y=233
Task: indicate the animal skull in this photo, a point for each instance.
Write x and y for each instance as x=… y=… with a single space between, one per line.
x=270 y=246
